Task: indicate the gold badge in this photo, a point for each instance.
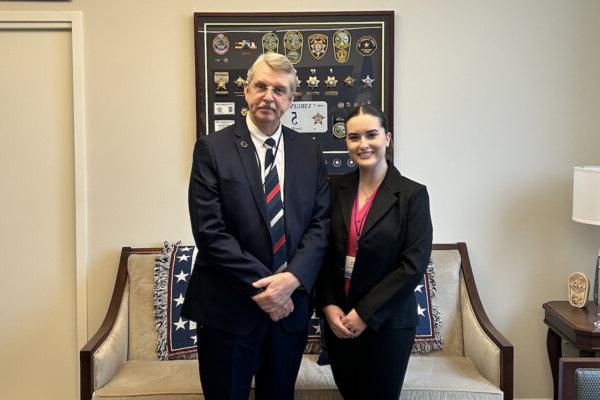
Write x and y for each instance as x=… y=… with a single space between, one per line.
x=239 y=82
x=331 y=84
x=293 y=40
x=349 y=81
x=313 y=81
x=366 y=46
x=270 y=42
x=317 y=43
x=318 y=118
x=239 y=86
x=341 y=42
x=221 y=80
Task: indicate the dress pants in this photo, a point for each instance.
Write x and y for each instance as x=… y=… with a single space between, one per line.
x=371 y=366
x=228 y=362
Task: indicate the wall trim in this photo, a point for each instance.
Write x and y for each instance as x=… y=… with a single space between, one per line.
x=72 y=21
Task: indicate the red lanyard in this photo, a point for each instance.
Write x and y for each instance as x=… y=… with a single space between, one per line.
x=358 y=227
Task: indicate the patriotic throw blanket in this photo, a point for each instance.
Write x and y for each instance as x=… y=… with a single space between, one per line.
x=428 y=337
x=177 y=336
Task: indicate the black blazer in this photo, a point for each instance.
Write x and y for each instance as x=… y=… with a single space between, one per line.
x=231 y=228
x=393 y=251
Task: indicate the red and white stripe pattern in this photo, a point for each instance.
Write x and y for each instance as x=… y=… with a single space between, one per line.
x=274 y=205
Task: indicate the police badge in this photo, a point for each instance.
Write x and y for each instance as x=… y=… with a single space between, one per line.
x=368 y=82
x=317 y=43
x=220 y=44
x=270 y=42
x=293 y=40
x=313 y=83
x=239 y=86
x=366 y=46
x=341 y=42
x=339 y=127
x=349 y=81
x=331 y=84
x=221 y=80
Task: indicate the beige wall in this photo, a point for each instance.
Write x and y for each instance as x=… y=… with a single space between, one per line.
x=495 y=103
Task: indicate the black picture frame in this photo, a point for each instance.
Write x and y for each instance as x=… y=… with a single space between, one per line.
x=328 y=50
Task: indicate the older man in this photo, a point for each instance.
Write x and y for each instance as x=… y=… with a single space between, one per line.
x=259 y=207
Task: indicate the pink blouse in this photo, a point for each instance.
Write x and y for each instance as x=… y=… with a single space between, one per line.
x=357 y=221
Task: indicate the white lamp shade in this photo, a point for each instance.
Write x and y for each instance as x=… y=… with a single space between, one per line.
x=586 y=195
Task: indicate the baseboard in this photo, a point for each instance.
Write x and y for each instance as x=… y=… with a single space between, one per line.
x=533 y=398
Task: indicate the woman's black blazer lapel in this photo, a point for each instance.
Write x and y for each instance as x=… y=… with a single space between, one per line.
x=386 y=197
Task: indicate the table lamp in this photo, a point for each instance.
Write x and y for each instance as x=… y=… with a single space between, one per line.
x=586 y=208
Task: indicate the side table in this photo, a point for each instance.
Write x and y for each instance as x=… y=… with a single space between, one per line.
x=573 y=325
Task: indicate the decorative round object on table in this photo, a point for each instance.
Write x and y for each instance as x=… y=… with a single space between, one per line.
x=578 y=289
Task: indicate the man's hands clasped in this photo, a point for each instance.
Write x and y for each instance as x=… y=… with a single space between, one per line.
x=276 y=300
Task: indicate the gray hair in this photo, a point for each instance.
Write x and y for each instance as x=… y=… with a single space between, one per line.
x=279 y=63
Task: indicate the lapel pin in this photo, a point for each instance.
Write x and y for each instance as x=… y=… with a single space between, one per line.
x=243 y=144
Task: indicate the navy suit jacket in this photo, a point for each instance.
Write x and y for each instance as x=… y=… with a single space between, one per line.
x=231 y=228
x=393 y=251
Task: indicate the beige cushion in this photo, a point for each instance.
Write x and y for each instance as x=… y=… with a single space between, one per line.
x=315 y=381
x=446 y=378
x=143 y=335
x=180 y=380
x=447 y=277
x=153 y=379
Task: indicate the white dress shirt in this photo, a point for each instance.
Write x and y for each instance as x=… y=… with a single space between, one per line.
x=258 y=138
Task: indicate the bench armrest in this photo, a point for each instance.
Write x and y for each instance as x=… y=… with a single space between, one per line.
x=481 y=338
x=107 y=350
x=478 y=346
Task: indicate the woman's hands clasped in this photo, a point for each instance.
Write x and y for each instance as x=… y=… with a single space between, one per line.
x=344 y=326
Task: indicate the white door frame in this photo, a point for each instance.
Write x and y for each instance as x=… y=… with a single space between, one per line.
x=72 y=21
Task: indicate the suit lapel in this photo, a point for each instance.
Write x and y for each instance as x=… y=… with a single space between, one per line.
x=292 y=157
x=386 y=197
x=245 y=148
x=346 y=198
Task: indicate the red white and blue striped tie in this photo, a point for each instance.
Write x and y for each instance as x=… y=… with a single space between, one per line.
x=274 y=208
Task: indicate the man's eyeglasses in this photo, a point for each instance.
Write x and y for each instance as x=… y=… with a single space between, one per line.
x=278 y=91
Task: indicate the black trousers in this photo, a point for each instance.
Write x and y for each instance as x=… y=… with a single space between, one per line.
x=371 y=366
x=228 y=362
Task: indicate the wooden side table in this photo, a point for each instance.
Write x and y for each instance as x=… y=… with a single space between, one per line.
x=573 y=325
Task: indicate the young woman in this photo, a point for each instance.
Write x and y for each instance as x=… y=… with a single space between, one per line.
x=379 y=247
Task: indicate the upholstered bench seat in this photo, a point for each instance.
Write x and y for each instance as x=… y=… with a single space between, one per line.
x=446 y=378
x=178 y=380
x=121 y=361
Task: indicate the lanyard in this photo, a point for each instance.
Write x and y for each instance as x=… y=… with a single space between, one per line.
x=358 y=228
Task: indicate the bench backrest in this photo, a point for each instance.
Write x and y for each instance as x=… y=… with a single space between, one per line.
x=143 y=335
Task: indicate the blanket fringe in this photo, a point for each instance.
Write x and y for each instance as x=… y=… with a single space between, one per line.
x=161 y=276
x=437 y=343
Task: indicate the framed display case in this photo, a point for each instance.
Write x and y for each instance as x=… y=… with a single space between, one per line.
x=342 y=60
